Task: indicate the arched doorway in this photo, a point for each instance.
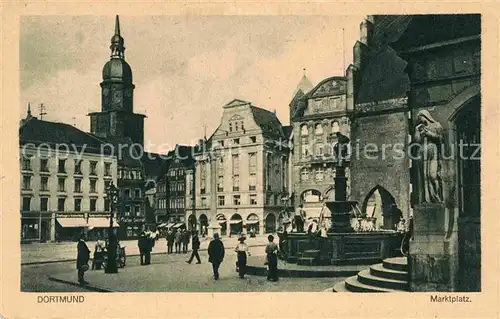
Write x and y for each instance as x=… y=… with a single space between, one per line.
x=221 y=219
x=253 y=223
x=380 y=204
x=236 y=224
x=271 y=223
x=311 y=196
x=203 y=224
x=467 y=124
x=192 y=222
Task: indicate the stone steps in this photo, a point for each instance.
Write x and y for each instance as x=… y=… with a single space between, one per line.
x=389 y=276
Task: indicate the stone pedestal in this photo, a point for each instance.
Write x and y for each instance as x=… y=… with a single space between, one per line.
x=429 y=258
x=213 y=228
x=341 y=215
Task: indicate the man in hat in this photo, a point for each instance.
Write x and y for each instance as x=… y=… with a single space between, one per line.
x=216 y=254
x=142 y=243
x=82 y=259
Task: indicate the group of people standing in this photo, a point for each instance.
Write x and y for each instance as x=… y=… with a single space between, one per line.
x=180 y=238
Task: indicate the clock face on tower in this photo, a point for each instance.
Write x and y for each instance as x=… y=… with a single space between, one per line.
x=117 y=96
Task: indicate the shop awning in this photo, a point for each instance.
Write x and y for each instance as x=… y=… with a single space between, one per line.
x=221 y=221
x=170 y=225
x=101 y=222
x=178 y=225
x=251 y=222
x=162 y=225
x=235 y=221
x=72 y=221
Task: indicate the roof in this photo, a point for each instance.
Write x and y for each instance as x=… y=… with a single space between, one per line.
x=267 y=121
x=287 y=130
x=304 y=85
x=152 y=163
x=38 y=131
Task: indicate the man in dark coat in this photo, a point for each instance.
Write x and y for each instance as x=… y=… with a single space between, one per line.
x=185 y=241
x=82 y=258
x=216 y=254
x=170 y=241
x=196 y=245
x=142 y=243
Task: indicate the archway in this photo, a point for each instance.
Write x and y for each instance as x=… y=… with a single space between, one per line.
x=311 y=196
x=467 y=122
x=253 y=223
x=380 y=204
x=203 y=224
x=192 y=222
x=271 y=223
x=236 y=223
x=221 y=219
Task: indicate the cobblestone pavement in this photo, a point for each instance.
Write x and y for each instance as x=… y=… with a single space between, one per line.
x=170 y=273
x=50 y=252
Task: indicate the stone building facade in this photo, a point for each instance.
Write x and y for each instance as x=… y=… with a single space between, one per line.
x=64 y=176
x=317 y=116
x=241 y=172
x=403 y=65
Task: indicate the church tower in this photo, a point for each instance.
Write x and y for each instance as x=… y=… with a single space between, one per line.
x=117 y=118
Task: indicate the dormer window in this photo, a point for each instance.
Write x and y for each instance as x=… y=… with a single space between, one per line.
x=318 y=129
x=303 y=130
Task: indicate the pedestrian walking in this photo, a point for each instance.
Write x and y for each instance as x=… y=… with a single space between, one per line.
x=147 y=252
x=178 y=240
x=216 y=254
x=242 y=252
x=170 y=241
x=82 y=259
x=272 y=259
x=195 y=245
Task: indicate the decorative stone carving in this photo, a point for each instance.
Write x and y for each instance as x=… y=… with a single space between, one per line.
x=429 y=136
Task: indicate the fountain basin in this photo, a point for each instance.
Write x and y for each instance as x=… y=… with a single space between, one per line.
x=340 y=248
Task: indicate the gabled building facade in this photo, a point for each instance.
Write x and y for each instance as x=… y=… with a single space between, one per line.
x=241 y=172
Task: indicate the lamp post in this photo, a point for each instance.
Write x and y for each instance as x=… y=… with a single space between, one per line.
x=112 y=196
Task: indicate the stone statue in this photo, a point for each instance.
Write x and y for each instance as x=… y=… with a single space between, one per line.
x=429 y=135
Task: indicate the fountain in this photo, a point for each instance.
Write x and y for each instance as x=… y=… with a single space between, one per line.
x=342 y=244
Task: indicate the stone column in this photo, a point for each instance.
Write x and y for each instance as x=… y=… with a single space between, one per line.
x=53 y=228
x=430 y=256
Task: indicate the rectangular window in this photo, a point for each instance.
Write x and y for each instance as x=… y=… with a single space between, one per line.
x=236 y=200
x=26 y=204
x=203 y=181
x=60 y=204
x=137 y=193
x=93 y=205
x=220 y=184
x=93 y=184
x=61 y=185
x=236 y=141
x=78 y=167
x=236 y=164
x=78 y=185
x=269 y=199
x=253 y=199
x=107 y=169
x=252 y=182
x=106 y=185
x=107 y=205
x=203 y=202
x=26 y=163
x=305 y=151
x=127 y=210
x=126 y=193
x=26 y=182
x=236 y=183
x=61 y=167
x=44 y=204
x=137 y=210
x=252 y=163
x=44 y=165
x=253 y=139
x=44 y=183
x=93 y=168
x=78 y=204
x=221 y=143
x=221 y=200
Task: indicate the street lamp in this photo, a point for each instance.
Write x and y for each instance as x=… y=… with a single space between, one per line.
x=112 y=196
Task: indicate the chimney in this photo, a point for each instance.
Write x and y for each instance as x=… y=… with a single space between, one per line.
x=366 y=33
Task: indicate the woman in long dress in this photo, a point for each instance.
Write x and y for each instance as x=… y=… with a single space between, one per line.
x=429 y=134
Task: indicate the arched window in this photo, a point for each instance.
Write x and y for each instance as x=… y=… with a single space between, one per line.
x=318 y=129
x=319 y=176
x=304 y=175
x=303 y=130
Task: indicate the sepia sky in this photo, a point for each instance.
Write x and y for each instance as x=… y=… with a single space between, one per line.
x=185 y=68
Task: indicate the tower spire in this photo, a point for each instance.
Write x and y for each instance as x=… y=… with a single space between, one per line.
x=117 y=25
x=29 y=110
x=117 y=43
